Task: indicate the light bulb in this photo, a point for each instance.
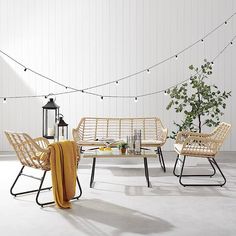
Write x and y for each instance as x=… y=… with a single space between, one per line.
x=25 y=69
x=202 y=40
x=101 y=97
x=148 y=71
x=135 y=99
x=176 y=56
x=4 y=100
x=117 y=82
x=165 y=93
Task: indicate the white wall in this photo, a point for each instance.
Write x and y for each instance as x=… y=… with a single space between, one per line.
x=87 y=42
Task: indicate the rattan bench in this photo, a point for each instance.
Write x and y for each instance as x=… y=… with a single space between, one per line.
x=91 y=130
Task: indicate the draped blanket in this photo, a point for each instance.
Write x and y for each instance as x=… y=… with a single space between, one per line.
x=63 y=161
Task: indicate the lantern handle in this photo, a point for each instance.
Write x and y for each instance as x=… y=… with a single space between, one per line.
x=52 y=95
x=60 y=115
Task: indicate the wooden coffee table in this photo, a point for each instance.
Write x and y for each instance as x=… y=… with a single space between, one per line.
x=116 y=154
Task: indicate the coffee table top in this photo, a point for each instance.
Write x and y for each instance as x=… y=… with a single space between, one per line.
x=115 y=153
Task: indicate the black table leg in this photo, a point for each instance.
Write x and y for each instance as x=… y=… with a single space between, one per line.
x=146 y=171
x=92 y=172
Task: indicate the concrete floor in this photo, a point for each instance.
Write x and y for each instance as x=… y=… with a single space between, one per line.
x=121 y=204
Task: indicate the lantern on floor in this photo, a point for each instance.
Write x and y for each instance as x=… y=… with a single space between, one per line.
x=61 y=129
x=50 y=114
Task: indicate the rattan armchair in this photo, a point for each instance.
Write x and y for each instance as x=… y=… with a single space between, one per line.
x=33 y=153
x=203 y=146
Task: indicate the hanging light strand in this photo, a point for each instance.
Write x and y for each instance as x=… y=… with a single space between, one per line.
x=102 y=96
x=118 y=96
x=26 y=68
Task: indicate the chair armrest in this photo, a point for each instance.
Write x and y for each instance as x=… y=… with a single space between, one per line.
x=183 y=135
x=199 y=144
x=42 y=142
x=164 y=134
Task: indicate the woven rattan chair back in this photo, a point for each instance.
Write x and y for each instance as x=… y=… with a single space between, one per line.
x=221 y=132
x=30 y=152
x=119 y=128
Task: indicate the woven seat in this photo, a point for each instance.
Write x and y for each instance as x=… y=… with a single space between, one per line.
x=90 y=131
x=203 y=146
x=33 y=153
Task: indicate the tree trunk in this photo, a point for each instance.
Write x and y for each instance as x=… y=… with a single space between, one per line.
x=199 y=124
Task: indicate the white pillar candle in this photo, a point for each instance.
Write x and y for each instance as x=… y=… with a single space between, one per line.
x=50 y=132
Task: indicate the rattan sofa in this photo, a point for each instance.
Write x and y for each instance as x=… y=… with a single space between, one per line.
x=91 y=130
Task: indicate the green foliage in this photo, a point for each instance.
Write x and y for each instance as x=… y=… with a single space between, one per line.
x=201 y=103
x=122 y=145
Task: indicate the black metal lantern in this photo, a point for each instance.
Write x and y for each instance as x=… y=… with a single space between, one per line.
x=50 y=114
x=61 y=129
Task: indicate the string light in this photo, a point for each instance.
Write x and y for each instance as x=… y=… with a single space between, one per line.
x=117 y=82
x=125 y=77
x=165 y=93
x=119 y=96
x=148 y=71
x=202 y=40
x=136 y=99
x=4 y=100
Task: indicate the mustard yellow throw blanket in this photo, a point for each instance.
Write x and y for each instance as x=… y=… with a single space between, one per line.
x=63 y=161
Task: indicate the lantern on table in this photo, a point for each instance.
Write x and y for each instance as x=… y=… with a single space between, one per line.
x=50 y=114
x=61 y=129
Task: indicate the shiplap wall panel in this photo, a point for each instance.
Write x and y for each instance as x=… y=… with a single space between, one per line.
x=87 y=42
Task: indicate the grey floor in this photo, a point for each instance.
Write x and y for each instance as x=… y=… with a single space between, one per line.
x=120 y=202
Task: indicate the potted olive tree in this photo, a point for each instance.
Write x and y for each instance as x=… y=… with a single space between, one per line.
x=200 y=102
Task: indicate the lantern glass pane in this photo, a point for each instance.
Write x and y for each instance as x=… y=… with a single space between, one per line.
x=50 y=122
x=63 y=133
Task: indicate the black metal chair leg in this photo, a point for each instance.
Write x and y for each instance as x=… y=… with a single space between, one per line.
x=181 y=172
x=162 y=160
x=207 y=175
x=214 y=161
x=177 y=159
x=146 y=171
x=52 y=202
x=211 y=161
x=39 y=190
x=25 y=192
x=92 y=172
x=13 y=185
x=80 y=189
